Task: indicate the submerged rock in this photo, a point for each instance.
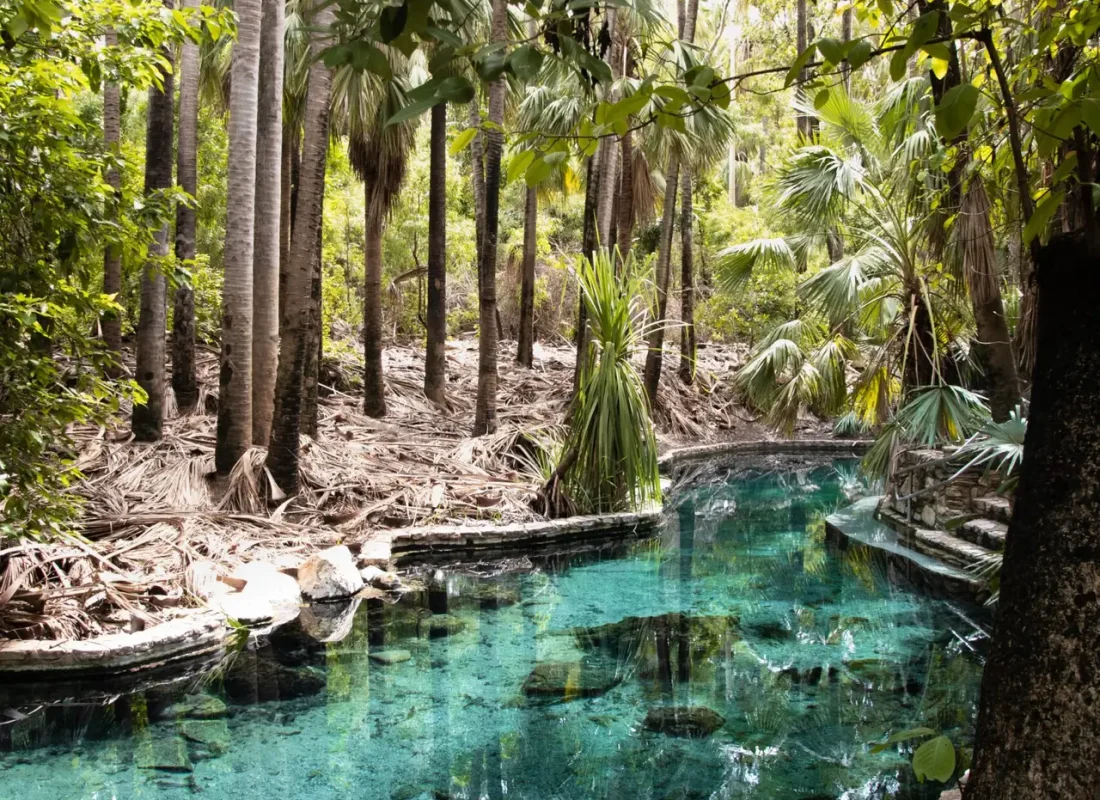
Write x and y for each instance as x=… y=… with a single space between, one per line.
x=330 y=575
x=569 y=680
x=211 y=734
x=692 y=721
x=493 y=595
x=442 y=625
x=198 y=706
x=259 y=679
x=329 y=622
x=164 y=755
x=389 y=657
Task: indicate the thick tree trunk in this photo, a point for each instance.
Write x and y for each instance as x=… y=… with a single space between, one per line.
x=235 y=383
x=315 y=339
x=112 y=254
x=687 y=280
x=655 y=355
x=435 y=359
x=148 y=419
x=477 y=162
x=485 y=412
x=980 y=265
x=292 y=159
x=525 y=354
x=184 y=382
x=588 y=245
x=624 y=226
x=268 y=253
x=1041 y=687
x=282 y=457
x=374 y=388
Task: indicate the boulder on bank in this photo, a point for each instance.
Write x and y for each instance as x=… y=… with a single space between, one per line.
x=695 y=722
x=263 y=580
x=380 y=578
x=330 y=575
x=329 y=622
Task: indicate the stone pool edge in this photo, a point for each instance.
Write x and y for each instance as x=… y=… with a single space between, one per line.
x=201 y=631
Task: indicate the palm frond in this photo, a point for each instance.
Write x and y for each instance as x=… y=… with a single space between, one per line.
x=735 y=264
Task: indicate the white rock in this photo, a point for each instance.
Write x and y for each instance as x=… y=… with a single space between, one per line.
x=374 y=553
x=374 y=576
x=329 y=575
x=246 y=610
x=265 y=581
x=202 y=581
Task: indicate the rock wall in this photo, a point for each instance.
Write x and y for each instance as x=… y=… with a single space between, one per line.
x=925 y=492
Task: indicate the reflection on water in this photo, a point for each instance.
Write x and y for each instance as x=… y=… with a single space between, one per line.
x=733 y=656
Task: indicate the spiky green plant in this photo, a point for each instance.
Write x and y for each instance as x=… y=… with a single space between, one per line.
x=997 y=446
x=609 y=462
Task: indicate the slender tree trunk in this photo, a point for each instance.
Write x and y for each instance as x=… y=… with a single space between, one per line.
x=148 y=419
x=291 y=164
x=435 y=359
x=485 y=413
x=112 y=254
x=1041 y=685
x=315 y=338
x=609 y=148
x=846 y=36
x=588 y=244
x=477 y=162
x=282 y=457
x=184 y=382
x=801 y=36
x=374 y=389
x=687 y=281
x=268 y=255
x=526 y=351
x=980 y=266
x=624 y=233
x=235 y=384
x=652 y=375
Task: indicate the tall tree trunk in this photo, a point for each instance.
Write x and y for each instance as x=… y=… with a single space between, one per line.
x=268 y=254
x=485 y=413
x=184 y=382
x=148 y=419
x=983 y=281
x=235 y=383
x=477 y=163
x=282 y=456
x=801 y=36
x=1041 y=685
x=846 y=36
x=525 y=354
x=609 y=147
x=588 y=245
x=112 y=254
x=624 y=226
x=315 y=338
x=655 y=354
x=687 y=280
x=291 y=162
x=374 y=389
x=435 y=358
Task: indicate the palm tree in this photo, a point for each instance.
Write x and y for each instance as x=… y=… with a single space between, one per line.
x=687 y=280
x=112 y=254
x=184 y=382
x=379 y=154
x=148 y=419
x=435 y=355
x=485 y=411
x=282 y=457
x=268 y=224
x=235 y=383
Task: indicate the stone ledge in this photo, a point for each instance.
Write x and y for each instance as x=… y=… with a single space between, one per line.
x=195 y=634
x=792 y=446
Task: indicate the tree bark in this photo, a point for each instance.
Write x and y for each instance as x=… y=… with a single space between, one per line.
x=289 y=180
x=282 y=457
x=269 y=212
x=148 y=419
x=477 y=162
x=315 y=337
x=687 y=281
x=624 y=226
x=588 y=245
x=184 y=382
x=485 y=413
x=112 y=254
x=801 y=36
x=525 y=354
x=374 y=388
x=846 y=36
x=655 y=355
x=435 y=358
x=1041 y=686
x=235 y=384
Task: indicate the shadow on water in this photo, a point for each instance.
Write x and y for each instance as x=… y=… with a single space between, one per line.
x=731 y=656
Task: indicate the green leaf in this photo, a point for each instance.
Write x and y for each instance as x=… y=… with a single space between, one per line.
x=462 y=141
x=832 y=49
x=537 y=172
x=411 y=111
x=1090 y=114
x=1042 y=214
x=526 y=61
x=337 y=56
x=519 y=164
x=821 y=98
x=902 y=736
x=798 y=65
x=954 y=111
x=899 y=63
x=442 y=35
x=673 y=94
x=1064 y=169
x=720 y=95
x=627 y=107
x=935 y=759
x=858 y=53
x=455 y=90
x=392 y=21
x=923 y=29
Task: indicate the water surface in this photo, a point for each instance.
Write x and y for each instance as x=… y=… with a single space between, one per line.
x=536 y=683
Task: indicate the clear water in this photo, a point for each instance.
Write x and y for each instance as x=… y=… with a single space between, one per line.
x=738 y=605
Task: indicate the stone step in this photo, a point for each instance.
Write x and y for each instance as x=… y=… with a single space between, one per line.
x=950 y=549
x=986 y=533
x=993 y=507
